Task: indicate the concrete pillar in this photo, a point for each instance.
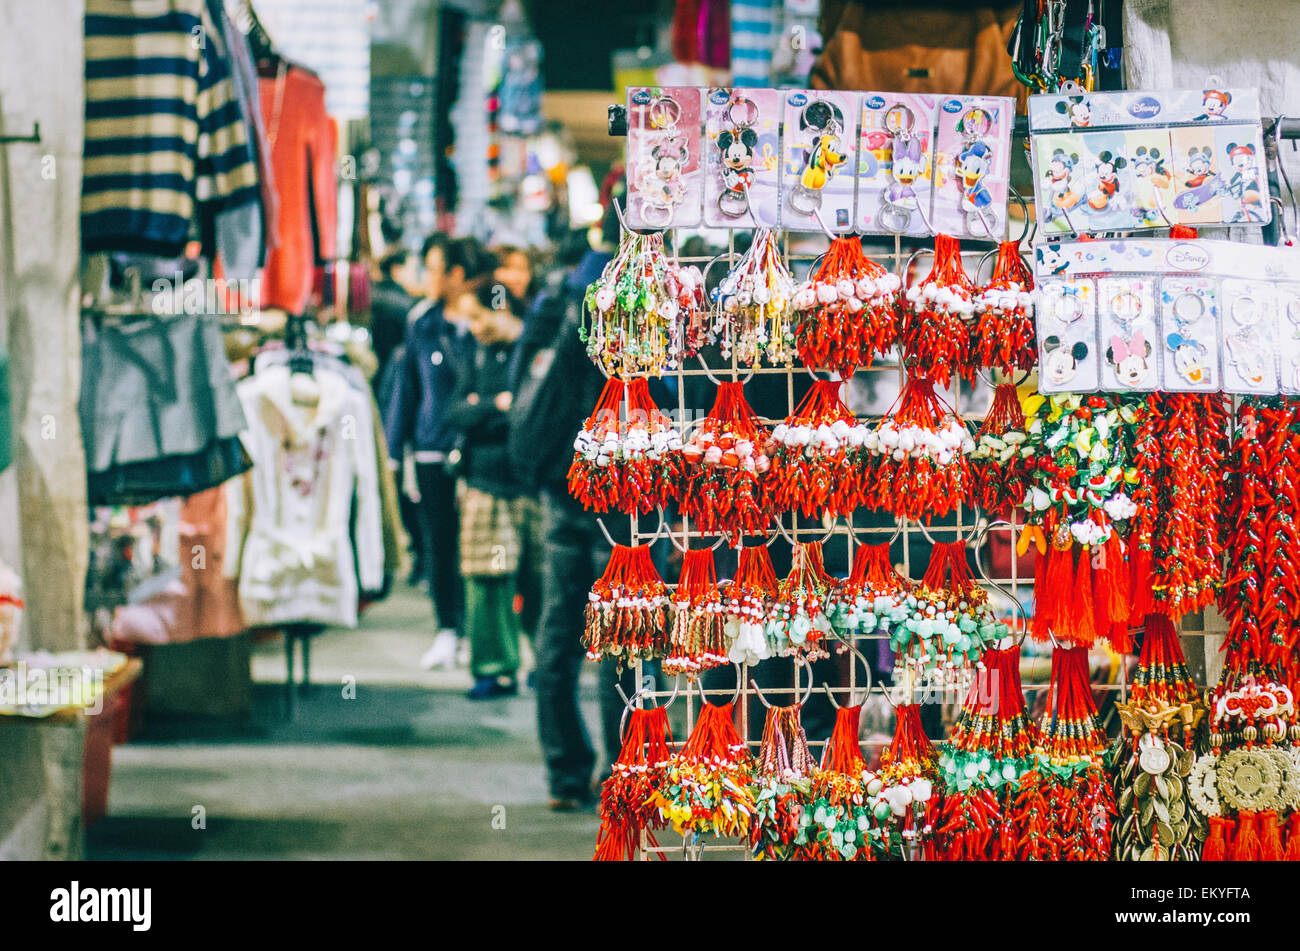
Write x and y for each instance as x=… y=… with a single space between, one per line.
x=44 y=495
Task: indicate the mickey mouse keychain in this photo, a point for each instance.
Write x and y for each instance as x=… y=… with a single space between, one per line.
x=737 y=160
x=823 y=156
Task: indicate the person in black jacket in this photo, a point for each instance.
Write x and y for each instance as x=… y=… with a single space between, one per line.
x=490 y=504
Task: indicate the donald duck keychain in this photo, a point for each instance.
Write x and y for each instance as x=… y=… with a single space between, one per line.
x=973 y=164
x=823 y=156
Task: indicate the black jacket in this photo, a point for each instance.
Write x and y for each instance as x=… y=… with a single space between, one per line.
x=483 y=369
x=426 y=380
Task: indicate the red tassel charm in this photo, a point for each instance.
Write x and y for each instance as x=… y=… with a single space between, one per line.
x=797 y=623
x=630 y=466
x=922 y=470
x=746 y=607
x=838 y=799
x=847 y=310
x=1292 y=853
x=782 y=780
x=1162 y=678
x=625 y=798
x=626 y=615
x=934 y=331
x=903 y=794
x=874 y=597
x=697 y=641
x=819 y=464
x=999 y=463
x=949 y=624
x=726 y=466
x=1245 y=844
x=706 y=787
x=753 y=314
x=1216 y=846
x=1004 y=331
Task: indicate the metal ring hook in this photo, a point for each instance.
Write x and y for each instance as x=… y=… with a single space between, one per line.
x=715 y=381
x=979 y=567
x=830 y=695
x=1030 y=220
x=629 y=701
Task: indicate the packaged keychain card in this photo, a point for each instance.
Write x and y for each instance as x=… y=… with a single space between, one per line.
x=1128 y=331
x=1084 y=181
x=972 y=165
x=742 y=167
x=895 y=163
x=665 y=176
x=1067 y=337
x=1249 y=331
x=819 y=158
x=1189 y=334
x=1288 y=338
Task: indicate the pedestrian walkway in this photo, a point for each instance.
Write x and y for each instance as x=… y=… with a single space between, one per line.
x=408 y=769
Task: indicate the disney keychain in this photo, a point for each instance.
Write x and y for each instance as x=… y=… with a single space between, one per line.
x=973 y=164
x=737 y=145
x=1245 y=348
x=823 y=156
x=907 y=162
x=1191 y=357
x=1066 y=357
x=1128 y=351
x=662 y=187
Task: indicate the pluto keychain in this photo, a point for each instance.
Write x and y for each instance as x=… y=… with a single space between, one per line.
x=661 y=184
x=907 y=162
x=823 y=156
x=737 y=144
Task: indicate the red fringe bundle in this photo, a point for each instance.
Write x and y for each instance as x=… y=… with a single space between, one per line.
x=749 y=598
x=726 y=465
x=818 y=464
x=697 y=641
x=1162 y=676
x=1070 y=729
x=934 y=333
x=1080 y=596
x=800 y=605
x=1004 y=332
x=999 y=469
x=848 y=310
x=922 y=470
x=626 y=615
x=625 y=798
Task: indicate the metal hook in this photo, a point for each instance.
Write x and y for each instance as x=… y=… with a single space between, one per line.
x=799 y=662
x=715 y=381
x=975 y=512
x=987 y=377
x=622 y=222
x=1030 y=220
x=740 y=682
x=817 y=213
x=649 y=541
x=979 y=567
x=830 y=695
x=628 y=702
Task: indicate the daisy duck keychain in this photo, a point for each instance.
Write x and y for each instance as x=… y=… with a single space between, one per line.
x=908 y=162
x=736 y=144
x=823 y=156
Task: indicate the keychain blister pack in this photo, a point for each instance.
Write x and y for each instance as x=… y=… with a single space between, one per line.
x=1067 y=337
x=742 y=157
x=1132 y=161
x=972 y=166
x=895 y=163
x=1189 y=328
x=819 y=157
x=1166 y=314
x=665 y=177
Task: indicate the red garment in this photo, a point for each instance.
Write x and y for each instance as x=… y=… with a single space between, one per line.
x=304 y=142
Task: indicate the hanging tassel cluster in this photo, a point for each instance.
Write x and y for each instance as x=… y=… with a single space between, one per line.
x=847 y=310
x=626 y=809
x=782 y=788
x=1260 y=598
x=631 y=466
x=949 y=624
x=638 y=307
x=697 y=641
x=752 y=314
x=1153 y=756
x=706 y=788
x=999 y=465
x=934 y=331
x=627 y=609
x=839 y=819
x=818 y=464
x=746 y=607
x=726 y=469
x=1190 y=431
x=874 y=599
x=1004 y=331
x=797 y=624
x=990 y=750
x=921 y=451
x=1081 y=471
x=903 y=792
x=1064 y=808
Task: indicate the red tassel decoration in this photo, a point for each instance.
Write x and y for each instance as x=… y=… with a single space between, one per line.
x=819 y=464
x=797 y=622
x=1270 y=837
x=1245 y=844
x=998 y=465
x=921 y=449
x=630 y=466
x=626 y=614
x=847 y=311
x=1292 y=853
x=1004 y=332
x=1162 y=676
x=625 y=798
x=726 y=467
x=1216 y=846
x=706 y=787
x=934 y=333
x=697 y=641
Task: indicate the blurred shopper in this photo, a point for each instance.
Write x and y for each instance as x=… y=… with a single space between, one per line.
x=558 y=386
x=514 y=273
x=391 y=300
x=490 y=517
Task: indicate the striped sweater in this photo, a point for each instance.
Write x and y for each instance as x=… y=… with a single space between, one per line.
x=166 y=142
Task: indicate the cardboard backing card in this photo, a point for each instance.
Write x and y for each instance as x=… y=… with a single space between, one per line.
x=665 y=177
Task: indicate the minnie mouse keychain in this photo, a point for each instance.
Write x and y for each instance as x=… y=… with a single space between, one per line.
x=661 y=182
